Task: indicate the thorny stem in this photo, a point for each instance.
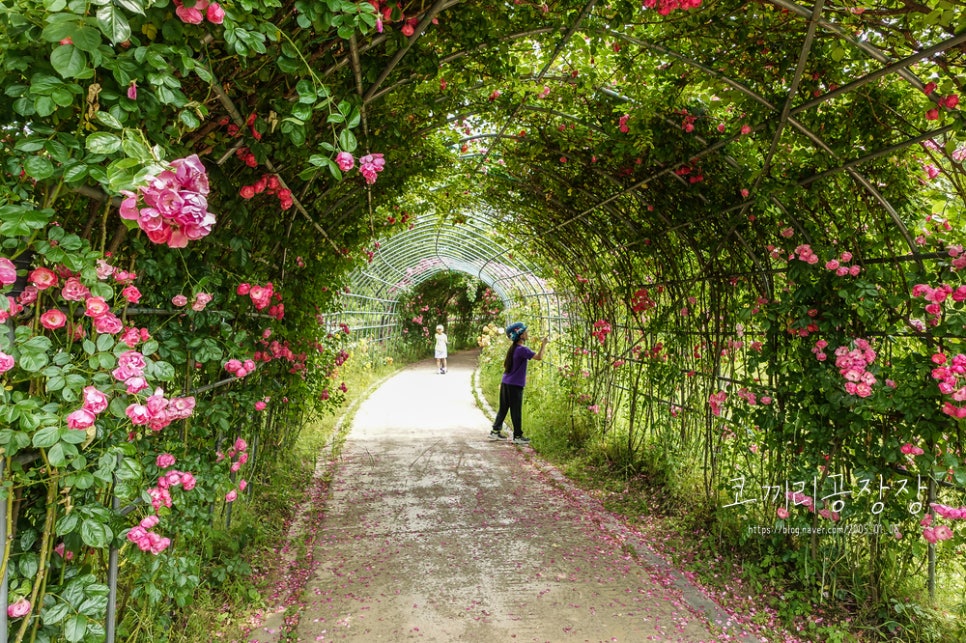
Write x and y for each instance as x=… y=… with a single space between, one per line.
x=41 y=579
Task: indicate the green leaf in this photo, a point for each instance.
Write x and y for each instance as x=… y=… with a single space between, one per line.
x=287 y=65
x=46 y=437
x=38 y=167
x=107 y=120
x=54 y=614
x=29 y=565
x=189 y=118
x=113 y=24
x=149 y=347
x=68 y=61
x=86 y=38
x=55 y=383
x=207 y=350
x=33 y=354
x=95 y=534
x=103 y=143
x=71 y=437
x=160 y=370
x=347 y=141
x=306 y=91
x=134 y=6
x=56 y=455
x=75 y=628
x=66 y=524
x=354 y=118
x=30 y=145
x=74 y=171
x=94 y=605
x=105 y=342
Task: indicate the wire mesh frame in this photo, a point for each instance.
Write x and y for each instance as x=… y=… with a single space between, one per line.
x=899 y=67
x=431 y=247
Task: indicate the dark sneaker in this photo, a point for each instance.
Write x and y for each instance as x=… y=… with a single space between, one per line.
x=497 y=435
x=521 y=440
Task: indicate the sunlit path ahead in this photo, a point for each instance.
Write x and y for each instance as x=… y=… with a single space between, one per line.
x=435 y=533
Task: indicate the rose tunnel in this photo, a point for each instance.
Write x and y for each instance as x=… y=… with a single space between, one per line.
x=742 y=223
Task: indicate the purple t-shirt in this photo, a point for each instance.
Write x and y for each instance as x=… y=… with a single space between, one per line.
x=518 y=373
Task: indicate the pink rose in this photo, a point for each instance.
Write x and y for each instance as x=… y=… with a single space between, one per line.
x=28 y=296
x=165 y=460
x=96 y=306
x=104 y=269
x=6 y=362
x=109 y=324
x=132 y=294
x=179 y=300
x=260 y=405
x=231 y=496
x=94 y=400
x=132 y=359
x=191 y=15
x=137 y=413
x=80 y=419
x=782 y=513
x=181 y=407
x=74 y=290
x=135 y=384
x=345 y=161
x=370 y=165
x=42 y=278
x=202 y=299
x=19 y=608
x=8 y=272
x=53 y=319
x=215 y=14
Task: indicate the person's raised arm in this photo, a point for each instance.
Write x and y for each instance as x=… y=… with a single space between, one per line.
x=543 y=345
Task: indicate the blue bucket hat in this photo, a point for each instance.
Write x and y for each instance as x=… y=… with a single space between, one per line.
x=513 y=331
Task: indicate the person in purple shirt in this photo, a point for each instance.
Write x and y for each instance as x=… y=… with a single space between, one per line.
x=514 y=379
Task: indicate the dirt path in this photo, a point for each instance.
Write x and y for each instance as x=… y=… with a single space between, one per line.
x=433 y=532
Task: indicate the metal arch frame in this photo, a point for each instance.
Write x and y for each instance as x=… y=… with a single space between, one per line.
x=439 y=247
x=787 y=114
x=450 y=260
x=898 y=67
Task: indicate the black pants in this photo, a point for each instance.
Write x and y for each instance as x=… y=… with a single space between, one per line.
x=511 y=399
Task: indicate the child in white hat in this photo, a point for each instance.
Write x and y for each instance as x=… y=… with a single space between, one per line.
x=441 y=341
